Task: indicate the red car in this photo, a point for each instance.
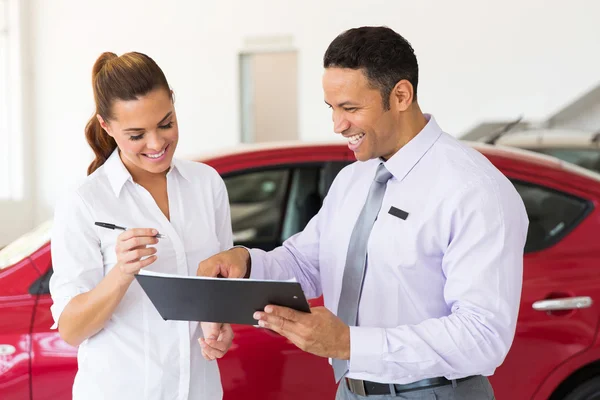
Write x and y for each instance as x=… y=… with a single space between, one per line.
x=274 y=190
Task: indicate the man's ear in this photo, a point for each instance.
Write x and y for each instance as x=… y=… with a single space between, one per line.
x=104 y=125
x=402 y=95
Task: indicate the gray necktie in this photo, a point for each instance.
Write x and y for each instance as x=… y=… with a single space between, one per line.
x=356 y=259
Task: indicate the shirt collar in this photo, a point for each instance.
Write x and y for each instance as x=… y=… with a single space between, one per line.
x=182 y=168
x=117 y=173
x=409 y=155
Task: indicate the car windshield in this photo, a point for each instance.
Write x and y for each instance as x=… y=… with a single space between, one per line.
x=586 y=158
x=25 y=245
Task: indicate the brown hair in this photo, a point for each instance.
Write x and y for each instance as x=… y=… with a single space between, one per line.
x=118 y=78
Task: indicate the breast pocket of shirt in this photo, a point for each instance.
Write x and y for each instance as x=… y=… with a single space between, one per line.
x=200 y=248
x=394 y=239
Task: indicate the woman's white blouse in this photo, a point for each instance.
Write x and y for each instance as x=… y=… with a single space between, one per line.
x=138 y=355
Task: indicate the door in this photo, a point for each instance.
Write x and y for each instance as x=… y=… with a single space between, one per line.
x=54 y=362
x=16 y=311
x=268 y=206
x=559 y=305
x=269 y=96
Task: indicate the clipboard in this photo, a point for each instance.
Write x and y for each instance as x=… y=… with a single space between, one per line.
x=234 y=301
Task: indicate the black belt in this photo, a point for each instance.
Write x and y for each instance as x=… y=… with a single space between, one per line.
x=368 y=388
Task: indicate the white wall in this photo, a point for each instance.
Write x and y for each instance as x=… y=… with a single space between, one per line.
x=16 y=213
x=479 y=60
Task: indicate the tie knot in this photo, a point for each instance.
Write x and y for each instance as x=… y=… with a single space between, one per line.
x=382 y=175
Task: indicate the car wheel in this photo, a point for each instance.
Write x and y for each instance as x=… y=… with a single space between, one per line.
x=588 y=390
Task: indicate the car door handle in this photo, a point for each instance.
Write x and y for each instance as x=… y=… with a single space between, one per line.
x=568 y=303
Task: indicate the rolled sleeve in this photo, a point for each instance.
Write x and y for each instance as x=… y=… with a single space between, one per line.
x=76 y=257
x=59 y=303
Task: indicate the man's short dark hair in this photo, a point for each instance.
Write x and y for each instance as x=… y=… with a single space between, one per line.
x=383 y=55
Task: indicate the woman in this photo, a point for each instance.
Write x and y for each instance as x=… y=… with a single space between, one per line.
x=126 y=350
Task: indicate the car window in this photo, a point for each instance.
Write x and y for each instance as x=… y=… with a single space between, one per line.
x=256 y=199
x=308 y=188
x=586 y=158
x=328 y=173
x=42 y=285
x=552 y=214
x=269 y=206
x=304 y=200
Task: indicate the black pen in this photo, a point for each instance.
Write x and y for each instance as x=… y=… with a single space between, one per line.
x=113 y=226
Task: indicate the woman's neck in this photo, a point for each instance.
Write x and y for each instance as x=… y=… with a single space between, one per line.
x=143 y=177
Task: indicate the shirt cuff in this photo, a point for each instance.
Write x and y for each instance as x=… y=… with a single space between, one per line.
x=366 y=349
x=57 y=308
x=257 y=258
x=60 y=301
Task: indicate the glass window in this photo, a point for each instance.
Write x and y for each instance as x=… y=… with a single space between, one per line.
x=256 y=200
x=304 y=200
x=4 y=113
x=269 y=206
x=11 y=133
x=551 y=214
x=42 y=284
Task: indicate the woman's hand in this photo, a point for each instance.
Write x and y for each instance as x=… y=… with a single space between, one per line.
x=86 y=313
x=132 y=246
x=217 y=339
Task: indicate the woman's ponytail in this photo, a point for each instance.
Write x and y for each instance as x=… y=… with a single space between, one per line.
x=118 y=78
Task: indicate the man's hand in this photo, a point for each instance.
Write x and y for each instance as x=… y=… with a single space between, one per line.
x=217 y=339
x=232 y=263
x=319 y=332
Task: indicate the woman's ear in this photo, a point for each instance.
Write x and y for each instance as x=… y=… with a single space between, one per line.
x=104 y=125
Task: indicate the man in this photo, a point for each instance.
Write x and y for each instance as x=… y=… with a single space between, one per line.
x=417 y=249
